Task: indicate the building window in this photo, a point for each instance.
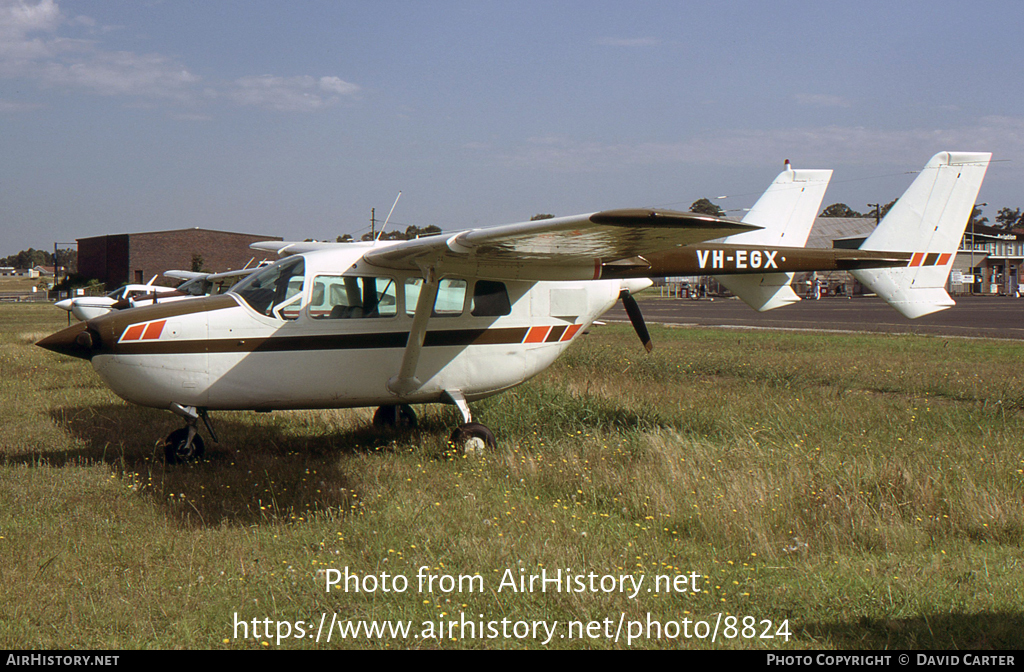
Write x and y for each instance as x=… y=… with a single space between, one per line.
x=138 y=277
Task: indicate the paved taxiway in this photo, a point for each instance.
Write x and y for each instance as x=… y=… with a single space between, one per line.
x=973 y=316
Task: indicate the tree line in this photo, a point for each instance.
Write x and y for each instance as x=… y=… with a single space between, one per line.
x=410 y=233
x=32 y=257
x=1006 y=218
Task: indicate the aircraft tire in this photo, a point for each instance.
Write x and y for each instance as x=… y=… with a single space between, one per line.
x=473 y=438
x=175 y=451
x=395 y=417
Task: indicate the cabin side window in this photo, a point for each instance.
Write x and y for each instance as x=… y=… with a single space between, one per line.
x=451 y=297
x=490 y=299
x=353 y=297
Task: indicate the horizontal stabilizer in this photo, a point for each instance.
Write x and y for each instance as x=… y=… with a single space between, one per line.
x=762 y=292
x=912 y=302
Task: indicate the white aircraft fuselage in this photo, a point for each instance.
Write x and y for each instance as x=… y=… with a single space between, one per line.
x=222 y=353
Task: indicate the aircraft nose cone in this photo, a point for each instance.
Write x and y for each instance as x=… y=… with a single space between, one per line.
x=64 y=304
x=76 y=341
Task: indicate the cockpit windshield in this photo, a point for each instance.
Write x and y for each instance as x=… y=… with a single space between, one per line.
x=195 y=287
x=275 y=291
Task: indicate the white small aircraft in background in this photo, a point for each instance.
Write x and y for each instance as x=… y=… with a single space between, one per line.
x=210 y=284
x=459 y=317
x=89 y=307
x=133 y=296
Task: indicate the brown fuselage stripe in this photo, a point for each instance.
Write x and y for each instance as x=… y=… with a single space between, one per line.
x=374 y=341
x=555 y=335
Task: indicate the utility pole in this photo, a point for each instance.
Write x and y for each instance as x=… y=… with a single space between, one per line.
x=978 y=206
x=56 y=268
x=373 y=223
x=878 y=212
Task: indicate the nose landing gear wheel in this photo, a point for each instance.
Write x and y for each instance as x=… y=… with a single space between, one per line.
x=473 y=438
x=178 y=449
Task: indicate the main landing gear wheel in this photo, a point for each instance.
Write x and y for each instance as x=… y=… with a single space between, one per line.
x=178 y=449
x=473 y=438
x=395 y=417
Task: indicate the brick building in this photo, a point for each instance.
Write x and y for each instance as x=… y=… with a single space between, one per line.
x=137 y=257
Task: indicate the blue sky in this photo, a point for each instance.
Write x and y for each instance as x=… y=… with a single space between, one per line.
x=296 y=118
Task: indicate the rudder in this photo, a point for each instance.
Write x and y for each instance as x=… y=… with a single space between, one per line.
x=786 y=213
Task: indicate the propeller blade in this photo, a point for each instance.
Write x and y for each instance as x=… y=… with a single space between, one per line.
x=636 y=318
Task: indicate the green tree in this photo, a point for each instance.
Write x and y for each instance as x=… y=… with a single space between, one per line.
x=705 y=207
x=421 y=231
x=840 y=210
x=67 y=259
x=28 y=258
x=1009 y=219
x=884 y=210
x=410 y=233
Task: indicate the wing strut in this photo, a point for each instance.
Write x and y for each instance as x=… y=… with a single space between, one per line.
x=406 y=380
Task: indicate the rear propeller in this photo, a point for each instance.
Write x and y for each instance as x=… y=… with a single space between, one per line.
x=636 y=318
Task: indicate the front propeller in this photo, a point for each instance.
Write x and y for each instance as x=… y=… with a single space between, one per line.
x=78 y=340
x=636 y=318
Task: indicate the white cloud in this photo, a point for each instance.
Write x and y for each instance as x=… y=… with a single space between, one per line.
x=32 y=48
x=85 y=21
x=124 y=73
x=20 y=17
x=17 y=20
x=58 y=61
x=9 y=106
x=819 y=146
x=860 y=145
x=187 y=116
x=628 y=41
x=335 y=85
x=290 y=94
x=821 y=100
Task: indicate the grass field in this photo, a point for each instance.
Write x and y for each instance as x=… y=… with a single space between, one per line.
x=836 y=491
x=17 y=284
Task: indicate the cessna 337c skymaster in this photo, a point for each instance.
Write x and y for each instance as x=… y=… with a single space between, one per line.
x=456 y=318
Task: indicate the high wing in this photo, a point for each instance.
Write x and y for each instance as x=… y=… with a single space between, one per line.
x=619 y=244
x=561 y=248
x=184 y=275
x=213 y=277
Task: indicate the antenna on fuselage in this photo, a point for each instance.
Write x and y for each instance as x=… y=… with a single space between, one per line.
x=384 y=225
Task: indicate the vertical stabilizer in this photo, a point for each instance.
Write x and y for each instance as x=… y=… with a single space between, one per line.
x=786 y=213
x=927 y=221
